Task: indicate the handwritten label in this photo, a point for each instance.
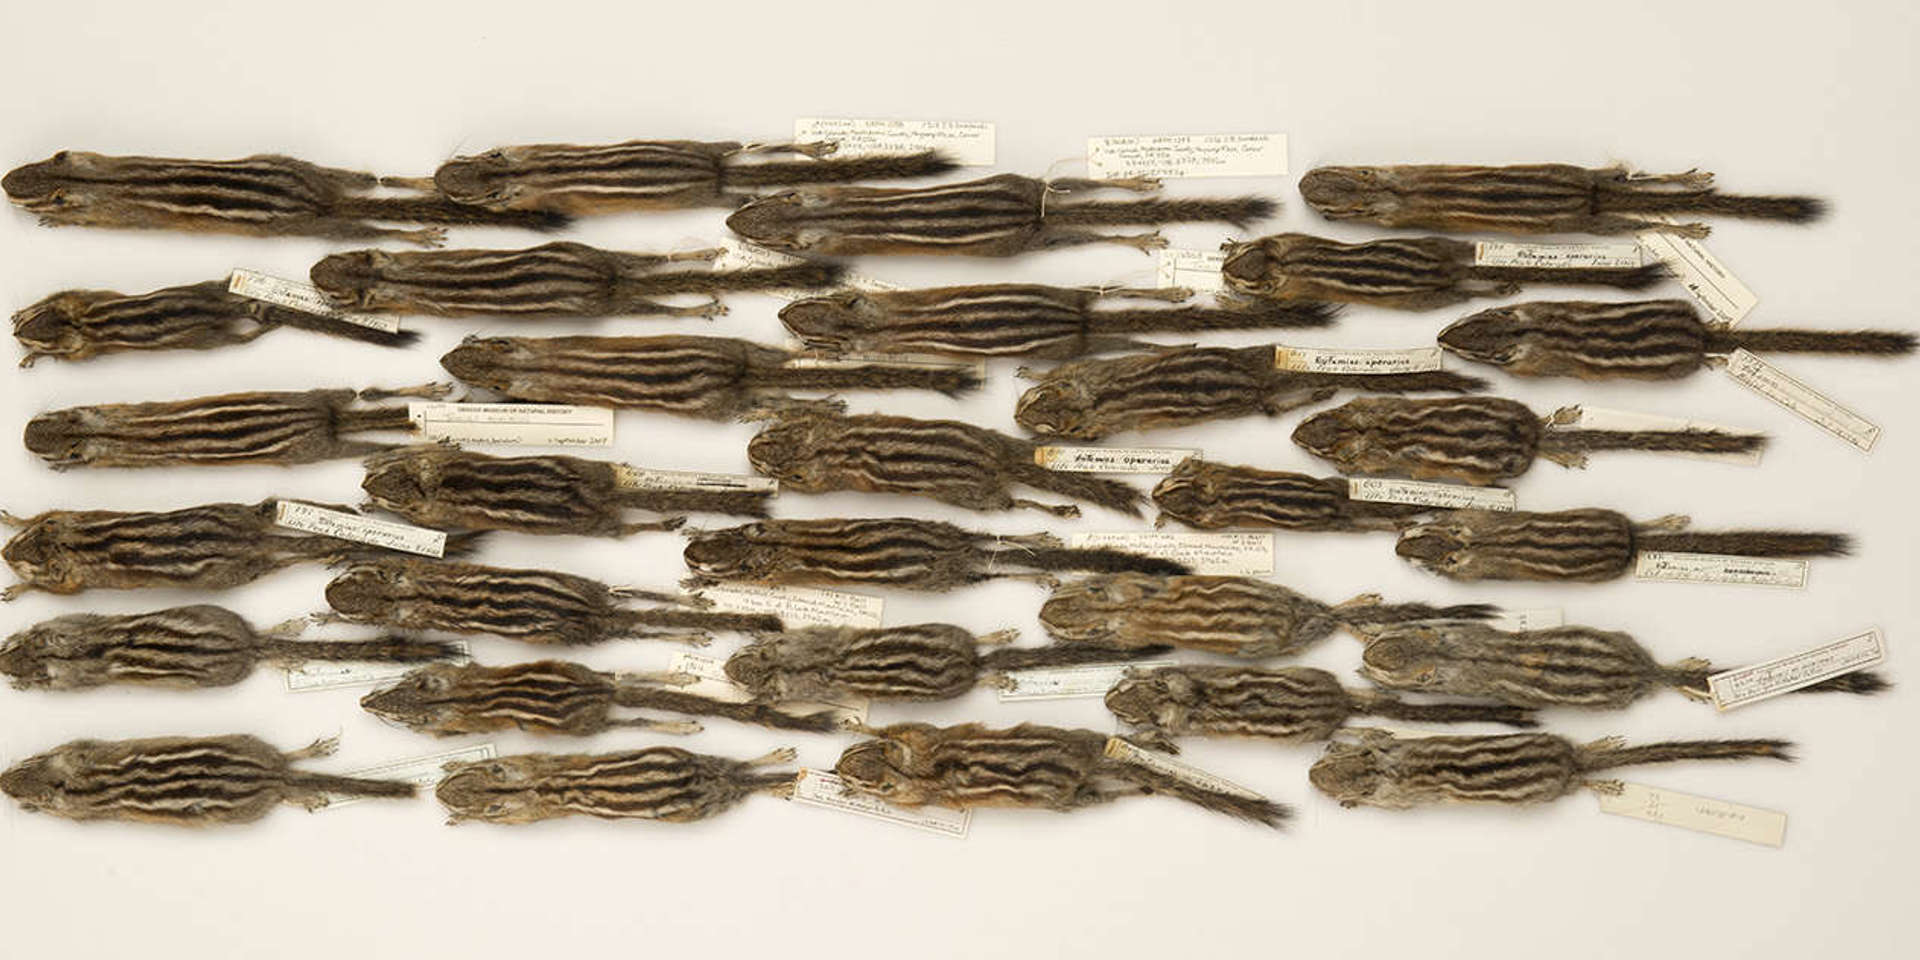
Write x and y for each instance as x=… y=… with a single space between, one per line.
x=1067 y=683
x=1121 y=750
x=818 y=788
x=640 y=478
x=352 y=526
x=1805 y=402
x=303 y=297
x=1328 y=360
x=1602 y=418
x=1520 y=621
x=712 y=682
x=1196 y=270
x=334 y=675
x=1572 y=256
x=1420 y=493
x=1668 y=567
x=1222 y=554
x=1204 y=155
x=798 y=606
x=968 y=142
x=737 y=254
x=1701 y=814
x=909 y=361
x=422 y=772
x=1153 y=460
x=514 y=424
x=1761 y=681
x=1708 y=280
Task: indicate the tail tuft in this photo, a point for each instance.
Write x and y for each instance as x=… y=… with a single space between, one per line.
x=1251 y=315
x=1861 y=682
x=1440 y=381
x=1097 y=560
x=786 y=173
x=1233 y=803
x=1393 y=708
x=390 y=649
x=1668 y=441
x=1749 y=543
x=1624 y=278
x=1409 y=612
x=1871 y=342
x=315 y=323
x=1065 y=655
x=1239 y=211
x=1609 y=754
x=645 y=696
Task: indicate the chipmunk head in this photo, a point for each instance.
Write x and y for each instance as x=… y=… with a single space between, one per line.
x=53 y=187
x=1432 y=546
x=38 y=553
x=1057 y=408
x=482 y=179
x=1490 y=336
x=832 y=321
x=1330 y=433
x=729 y=554
x=42 y=782
x=756 y=667
x=351 y=280
x=785 y=451
x=46 y=651
x=52 y=326
x=402 y=479
x=483 y=361
x=1348 y=193
x=1095 y=608
x=59 y=437
x=366 y=591
x=1187 y=492
x=497 y=791
x=1145 y=698
x=1401 y=656
x=776 y=221
x=421 y=697
x=1347 y=772
x=878 y=768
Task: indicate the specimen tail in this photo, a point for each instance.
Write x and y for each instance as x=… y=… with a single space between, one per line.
x=1691 y=676
x=1104 y=491
x=647 y=696
x=952 y=380
x=1576 y=442
x=315 y=323
x=1425 y=380
x=1625 y=278
x=1630 y=196
x=744 y=503
x=1065 y=655
x=1876 y=342
x=1220 y=799
x=781 y=173
x=704 y=620
x=1748 y=543
x=1239 y=211
x=1373 y=613
x=1393 y=708
x=807 y=274
x=389 y=649
x=1253 y=315
x=351 y=786
x=1612 y=752
x=441 y=210
x=1092 y=561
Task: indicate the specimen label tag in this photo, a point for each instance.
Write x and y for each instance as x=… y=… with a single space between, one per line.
x=1602 y=418
x=850 y=361
x=1705 y=277
x=1701 y=814
x=405 y=538
x=514 y=424
x=1325 y=360
x=1197 y=270
x=713 y=682
x=1809 y=404
x=1420 y=493
x=1221 y=554
x=335 y=675
x=1121 y=750
x=1719 y=568
x=797 y=606
x=1538 y=618
x=1624 y=253
x=422 y=772
x=640 y=478
x=1743 y=685
x=968 y=142
x=1200 y=155
x=303 y=297
x=737 y=254
x=818 y=788
x=1112 y=459
x=1067 y=683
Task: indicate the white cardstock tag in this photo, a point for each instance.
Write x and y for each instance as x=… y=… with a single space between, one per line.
x=1708 y=280
x=1146 y=460
x=818 y=788
x=1196 y=270
x=1071 y=683
x=797 y=606
x=1121 y=750
x=737 y=254
x=1809 y=404
x=1420 y=493
x=713 y=683
x=1328 y=360
x=850 y=361
x=422 y=772
x=514 y=424
x=1701 y=814
x=1743 y=685
x=1668 y=567
x=336 y=675
x=1218 y=554
x=968 y=142
x=303 y=297
x=1602 y=418
x=1577 y=256
x=641 y=478
x=403 y=537
x=1176 y=156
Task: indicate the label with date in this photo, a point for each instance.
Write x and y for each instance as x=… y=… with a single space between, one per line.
x=1070 y=683
x=797 y=606
x=1558 y=256
x=1701 y=814
x=968 y=142
x=1196 y=270
x=1328 y=360
x=1218 y=554
x=303 y=297
x=638 y=478
x=1421 y=493
x=1668 y=567
x=403 y=537
x=1121 y=750
x=1144 y=460
x=1805 y=402
x=1178 y=156
x=1761 y=681
x=818 y=788
x=1707 y=280
x=514 y=424
x=423 y=772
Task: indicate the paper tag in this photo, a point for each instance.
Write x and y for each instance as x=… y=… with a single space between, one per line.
x=1219 y=554
x=1520 y=621
x=1197 y=270
x=1204 y=155
x=422 y=772
x=1153 y=460
x=968 y=142
x=405 y=538
x=1809 y=404
x=1574 y=256
x=848 y=361
x=1067 y=683
x=303 y=297
x=737 y=254
x=1420 y=493
x=1327 y=360
x=1702 y=814
x=640 y=478
x=335 y=675
x=1706 y=278
x=1743 y=685
x=1718 y=568
x=713 y=683
x=818 y=788
x=1602 y=418
x=1121 y=750
x=797 y=606
x=514 y=424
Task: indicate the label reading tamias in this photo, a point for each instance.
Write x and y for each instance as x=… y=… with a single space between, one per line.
x=1218 y=554
x=514 y=424
x=1420 y=493
x=1146 y=460
x=1070 y=683
x=1121 y=750
x=1708 y=280
x=422 y=772
x=640 y=478
x=737 y=254
x=968 y=142
x=1809 y=404
x=818 y=788
x=1719 y=568
x=797 y=606
x=405 y=538
x=1196 y=270
x=1752 y=684
x=1188 y=155
x=334 y=675
x=1603 y=418
x=1563 y=256
x=303 y=297
x=1328 y=360
x=1702 y=814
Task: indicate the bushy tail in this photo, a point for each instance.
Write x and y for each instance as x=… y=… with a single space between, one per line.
x=1409 y=612
x=646 y=696
x=1426 y=380
x=389 y=649
x=1559 y=441
x=950 y=380
x=1093 y=561
x=1788 y=209
x=1625 y=278
x=1254 y=315
x=351 y=786
x=892 y=166
x=313 y=322
x=1877 y=342
x=704 y=620
x=807 y=274
x=1691 y=676
x=1748 y=543
x=1065 y=655
x=1104 y=491
x=1612 y=752
x=744 y=503
x=442 y=210
x=1239 y=211
x=1233 y=803
x=1393 y=708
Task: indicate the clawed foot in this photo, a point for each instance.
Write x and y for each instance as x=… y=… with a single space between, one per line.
x=429 y=237
x=323 y=747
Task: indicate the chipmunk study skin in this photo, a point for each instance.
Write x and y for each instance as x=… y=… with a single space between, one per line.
x=657 y=783
x=1215 y=496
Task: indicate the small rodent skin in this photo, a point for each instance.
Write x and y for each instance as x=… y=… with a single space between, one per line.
x=1216 y=496
x=656 y=783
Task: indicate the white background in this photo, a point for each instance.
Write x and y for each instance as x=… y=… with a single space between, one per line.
x=1772 y=97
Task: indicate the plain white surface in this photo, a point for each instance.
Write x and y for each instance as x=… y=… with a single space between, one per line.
x=1773 y=98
